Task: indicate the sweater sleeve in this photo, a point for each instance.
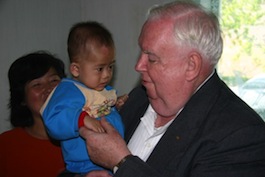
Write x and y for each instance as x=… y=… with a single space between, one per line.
x=62 y=110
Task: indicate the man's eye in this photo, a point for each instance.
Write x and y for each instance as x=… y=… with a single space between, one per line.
x=151 y=60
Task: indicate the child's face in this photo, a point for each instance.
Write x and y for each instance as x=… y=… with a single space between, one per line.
x=96 y=68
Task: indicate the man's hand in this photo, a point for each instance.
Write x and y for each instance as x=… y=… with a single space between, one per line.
x=106 y=149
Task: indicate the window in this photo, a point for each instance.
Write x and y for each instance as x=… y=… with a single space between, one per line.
x=242 y=65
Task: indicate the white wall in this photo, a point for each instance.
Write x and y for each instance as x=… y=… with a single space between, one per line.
x=27 y=26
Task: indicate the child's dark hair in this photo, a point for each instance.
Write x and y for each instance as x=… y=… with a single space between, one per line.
x=85 y=33
x=22 y=71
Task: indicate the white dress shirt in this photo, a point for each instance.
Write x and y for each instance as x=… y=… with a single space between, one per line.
x=146 y=135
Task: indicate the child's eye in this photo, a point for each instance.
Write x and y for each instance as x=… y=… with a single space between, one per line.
x=99 y=69
x=111 y=66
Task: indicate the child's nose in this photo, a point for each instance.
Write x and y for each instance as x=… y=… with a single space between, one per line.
x=106 y=74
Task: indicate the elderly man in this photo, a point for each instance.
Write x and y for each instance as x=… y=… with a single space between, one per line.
x=183 y=121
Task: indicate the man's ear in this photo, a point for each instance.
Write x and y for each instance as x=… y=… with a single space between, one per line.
x=74 y=69
x=194 y=66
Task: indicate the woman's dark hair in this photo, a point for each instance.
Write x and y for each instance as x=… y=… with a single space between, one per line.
x=22 y=71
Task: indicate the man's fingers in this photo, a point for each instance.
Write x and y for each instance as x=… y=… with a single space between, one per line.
x=106 y=125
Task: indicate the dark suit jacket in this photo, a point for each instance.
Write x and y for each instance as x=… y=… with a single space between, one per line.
x=215 y=135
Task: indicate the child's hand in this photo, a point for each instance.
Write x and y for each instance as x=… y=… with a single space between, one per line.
x=93 y=124
x=121 y=100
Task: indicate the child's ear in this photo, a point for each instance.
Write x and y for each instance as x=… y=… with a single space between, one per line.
x=74 y=69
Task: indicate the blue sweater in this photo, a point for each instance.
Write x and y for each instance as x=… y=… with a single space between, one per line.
x=61 y=114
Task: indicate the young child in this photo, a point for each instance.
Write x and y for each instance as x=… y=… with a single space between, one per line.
x=86 y=97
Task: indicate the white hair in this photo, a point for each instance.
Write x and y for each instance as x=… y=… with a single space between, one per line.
x=194 y=26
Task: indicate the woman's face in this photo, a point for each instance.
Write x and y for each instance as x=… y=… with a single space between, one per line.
x=37 y=91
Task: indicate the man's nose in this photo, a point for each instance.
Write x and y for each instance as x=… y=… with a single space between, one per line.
x=141 y=64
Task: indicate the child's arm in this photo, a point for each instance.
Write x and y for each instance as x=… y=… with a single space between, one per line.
x=62 y=111
x=93 y=124
x=121 y=100
x=89 y=122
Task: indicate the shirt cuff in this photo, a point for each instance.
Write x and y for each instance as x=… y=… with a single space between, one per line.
x=81 y=119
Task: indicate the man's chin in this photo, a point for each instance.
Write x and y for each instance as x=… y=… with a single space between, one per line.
x=151 y=95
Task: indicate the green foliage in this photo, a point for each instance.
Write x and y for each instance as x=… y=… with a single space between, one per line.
x=242 y=24
x=237 y=17
x=237 y=13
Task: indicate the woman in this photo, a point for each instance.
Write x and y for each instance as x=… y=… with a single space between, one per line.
x=27 y=150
